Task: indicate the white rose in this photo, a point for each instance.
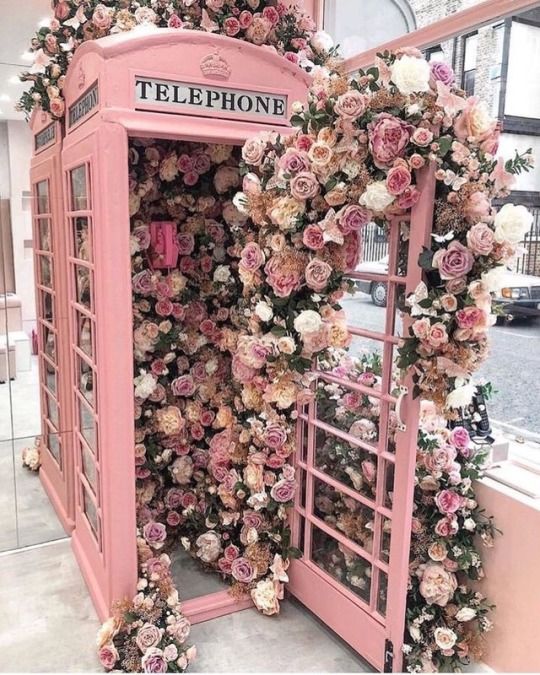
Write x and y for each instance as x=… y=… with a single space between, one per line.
x=222 y=274
x=461 y=396
x=264 y=311
x=410 y=74
x=445 y=638
x=466 y=614
x=286 y=345
x=493 y=280
x=208 y=547
x=376 y=197
x=144 y=385
x=240 y=201
x=258 y=501
x=322 y=41
x=297 y=107
x=415 y=632
x=512 y=223
x=264 y=597
x=308 y=321
x=469 y=524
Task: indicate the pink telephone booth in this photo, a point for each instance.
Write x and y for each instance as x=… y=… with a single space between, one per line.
x=52 y=320
x=167 y=84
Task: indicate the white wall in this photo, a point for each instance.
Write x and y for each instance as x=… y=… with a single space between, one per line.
x=4 y=162
x=20 y=150
x=523 y=86
x=511 y=142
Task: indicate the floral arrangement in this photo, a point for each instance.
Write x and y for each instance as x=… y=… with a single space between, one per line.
x=31 y=457
x=261 y=22
x=148 y=634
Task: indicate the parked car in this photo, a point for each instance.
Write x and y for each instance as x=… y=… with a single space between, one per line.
x=520 y=296
x=376 y=289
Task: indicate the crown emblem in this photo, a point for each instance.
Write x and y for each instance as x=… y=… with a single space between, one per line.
x=214 y=65
x=81 y=77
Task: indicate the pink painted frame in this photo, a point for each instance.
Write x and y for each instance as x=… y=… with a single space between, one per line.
x=101 y=139
x=46 y=166
x=359 y=623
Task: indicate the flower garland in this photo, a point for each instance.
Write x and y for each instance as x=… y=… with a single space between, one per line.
x=261 y=22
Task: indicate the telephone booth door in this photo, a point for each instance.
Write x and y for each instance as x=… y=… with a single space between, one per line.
x=353 y=511
x=50 y=271
x=99 y=308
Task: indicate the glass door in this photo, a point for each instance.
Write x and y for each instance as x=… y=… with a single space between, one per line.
x=356 y=450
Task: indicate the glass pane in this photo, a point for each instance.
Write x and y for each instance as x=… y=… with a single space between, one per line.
x=81 y=239
x=382 y=593
x=341 y=563
x=52 y=442
x=45 y=271
x=83 y=290
x=388 y=469
x=90 y=510
x=349 y=464
x=84 y=334
x=87 y=425
x=345 y=514
x=79 y=191
x=47 y=306
x=86 y=380
x=386 y=537
x=52 y=411
x=42 y=191
x=49 y=343
x=89 y=467
x=44 y=234
x=50 y=377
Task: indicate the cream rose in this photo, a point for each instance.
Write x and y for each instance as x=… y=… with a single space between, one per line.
x=265 y=597
x=208 y=547
x=466 y=614
x=308 y=321
x=437 y=585
x=410 y=74
x=445 y=638
x=512 y=223
x=376 y=197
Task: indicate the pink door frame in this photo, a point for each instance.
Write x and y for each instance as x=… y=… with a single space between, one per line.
x=46 y=166
x=365 y=628
x=100 y=139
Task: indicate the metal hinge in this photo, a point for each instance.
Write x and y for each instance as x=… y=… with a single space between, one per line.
x=388 y=657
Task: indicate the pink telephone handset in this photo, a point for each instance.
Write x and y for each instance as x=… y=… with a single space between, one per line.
x=163 y=244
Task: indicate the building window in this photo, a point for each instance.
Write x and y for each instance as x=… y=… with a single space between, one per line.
x=469 y=63
x=434 y=53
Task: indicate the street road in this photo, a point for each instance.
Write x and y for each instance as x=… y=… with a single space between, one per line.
x=513 y=367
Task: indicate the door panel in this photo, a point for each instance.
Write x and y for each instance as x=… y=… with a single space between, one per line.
x=356 y=443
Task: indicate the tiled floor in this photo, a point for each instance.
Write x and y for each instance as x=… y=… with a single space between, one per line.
x=48 y=624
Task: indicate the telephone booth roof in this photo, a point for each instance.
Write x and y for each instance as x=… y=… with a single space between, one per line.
x=224 y=89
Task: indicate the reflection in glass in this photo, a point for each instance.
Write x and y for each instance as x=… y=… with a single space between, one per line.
x=84 y=334
x=388 y=484
x=53 y=444
x=382 y=593
x=51 y=379
x=52 y=411
x=45 y=270
x=341 y=563
x=42 y=191
x=47 y=306
x=44 y=234
x=83 y=293
x=81 y=239
x=79 y=191
x=87 y=425
x=347 y=463
x=354 y=520
x=90 y=510
x=49 y=343
x=86 y=381
x=386 y=539
x=89 y=467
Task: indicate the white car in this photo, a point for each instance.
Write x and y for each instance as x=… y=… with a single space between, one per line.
x=520 y=295
x=377 y=289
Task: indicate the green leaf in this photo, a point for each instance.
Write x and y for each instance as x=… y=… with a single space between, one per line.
x=297 y=121
x=425 y=259
x=445 y=143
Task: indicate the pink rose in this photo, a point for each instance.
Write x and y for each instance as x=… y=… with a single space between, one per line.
x=477 y=207
x=282 y=281
x=446 y=527
x=175 y=21
x=353 y=250
x=317 y=274
x=448 y=501
x=352 y=217
x=275 y=436
x=440 y=459
x=453 y=262
x=186 y=243
x=231 y=552
x=283 y=491
x=313 y=237
x=481 y=239
x=101 y=18
x=441 y=72
x=294 y=161
x=108 y=656
x=460 y=437
x=422 y=137
x=469 y=317
x=437 y=335
x=154 y=533
x=242 y=570
x=148 y=636
x=245 y=18
x=421 y=327
x=408 y=198
x=351 y=105
x=271 y=14
x=474 y=122
x=191 y=178
x=398 y=179
x=61 y=11
x=57 y=106
x=183 y=386
x=153 y=661
x=304 y=186
x=258 y=30
x=253 y=519
x=252 y=257
x=388 y=139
